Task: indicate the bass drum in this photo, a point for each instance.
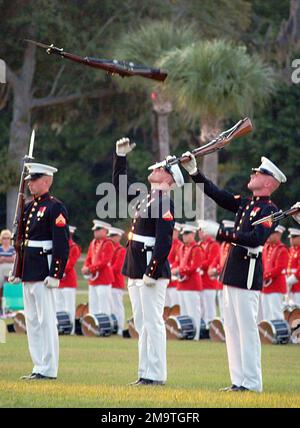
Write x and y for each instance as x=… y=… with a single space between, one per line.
x=132 y=331
x=20 y=323
x=180 y=327
x=216 y=330
x=64 y=324
x=96 y=325
x=274 y=332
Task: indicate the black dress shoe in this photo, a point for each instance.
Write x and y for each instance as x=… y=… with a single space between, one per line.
x=28 y=377
x=39 y=376
x=151 y=382
x=232 y=388
x=243 y=389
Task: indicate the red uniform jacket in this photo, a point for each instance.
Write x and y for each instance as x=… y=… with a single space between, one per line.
x=174 y=258
x=98 y=261
x=190 y=260
x=294 y=266
x=275 y=261
x=69 y=278
x=211 y=250
x=117 y=264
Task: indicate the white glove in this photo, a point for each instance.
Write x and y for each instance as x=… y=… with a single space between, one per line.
x=123 y=146
x=291 y=280
x=148 y=281
x=297 y=216
x=12 y=279
x=190 y=165
x=209 y=227
x=51 y=282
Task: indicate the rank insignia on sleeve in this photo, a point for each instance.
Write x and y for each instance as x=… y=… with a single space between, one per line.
x=168 y=216
x=267 y=223
x=60 y=221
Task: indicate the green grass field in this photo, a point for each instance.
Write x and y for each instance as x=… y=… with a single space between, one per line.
x=94 y=372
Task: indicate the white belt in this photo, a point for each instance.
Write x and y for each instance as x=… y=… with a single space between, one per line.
x=147 y=240
x=46 y=245
x=253 y=253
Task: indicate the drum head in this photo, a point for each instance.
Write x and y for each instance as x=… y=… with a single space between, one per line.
x=286 y=312
x=132 y=331
x=293 y=316
x=216 y=330
x=174 y=311
x=166 y=312
x=90 y=326
x=81 y=310
x=266 y=332
x=20 y=323
x=173 y=328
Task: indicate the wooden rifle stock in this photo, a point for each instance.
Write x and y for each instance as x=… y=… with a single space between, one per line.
x=122 y=68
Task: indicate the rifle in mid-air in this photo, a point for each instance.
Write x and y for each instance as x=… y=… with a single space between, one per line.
x=19 y=212
x=242 y=127
x=279 y=215
x=122 y=68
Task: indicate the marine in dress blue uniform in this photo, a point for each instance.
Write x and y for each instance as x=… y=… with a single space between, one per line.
x=45 y=254
x=242 y=273
x=146 y=264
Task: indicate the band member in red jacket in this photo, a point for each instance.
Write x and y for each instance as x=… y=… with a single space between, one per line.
x=172 y=297
x=211 y=251
x=293 y=269
x=97 y=268
x=65 y=296
x=190 y=282
x=275 y=260
x=118 y=284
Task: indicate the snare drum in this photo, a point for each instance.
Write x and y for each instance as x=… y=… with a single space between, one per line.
x=204 y=331
x=216 y=330
x=96 y=325
x=20 y=323
x=64 y=324
x=180 y=327
x=274 y=332
x=81 y=310
x=294 y=315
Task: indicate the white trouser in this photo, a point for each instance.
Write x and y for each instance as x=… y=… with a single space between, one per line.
x=272 y=305
x=65 y=301
x=295 y=298
x=41 y=326
x=220 y=303
x=148 y=306
x=4 y=271
x=100 y=299
x=172 y=297
x=118 y=307
x=209 y=305
x=242 y=337
x=190 y=304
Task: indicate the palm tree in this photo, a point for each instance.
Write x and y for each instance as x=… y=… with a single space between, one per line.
x=146 y=46
x=212 y=81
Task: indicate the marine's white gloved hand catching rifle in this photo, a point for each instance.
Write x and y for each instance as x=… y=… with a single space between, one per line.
x=124 y=146
x=297 y=216
x=190 y=164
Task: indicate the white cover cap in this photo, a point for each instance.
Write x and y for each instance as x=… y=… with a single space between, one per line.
x=72 y=229
x=188 y=228
x=268 y=167
x=37 y=170
x=98 y=224
x=178 y=226
x=228 y=224
x=280 y=229
x=293 y=232
x=115 y=231
x=174 y=170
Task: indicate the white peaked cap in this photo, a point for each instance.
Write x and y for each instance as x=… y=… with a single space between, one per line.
x=188 y=228
x=38 y=169
x=280 y=229
x=203 y=223
x=115 y=231
x=174 y=170
x=98 y=224
x=268 y=167
x=178 y=226
x=72 y=229
x=228 y=223
x=293 y=232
